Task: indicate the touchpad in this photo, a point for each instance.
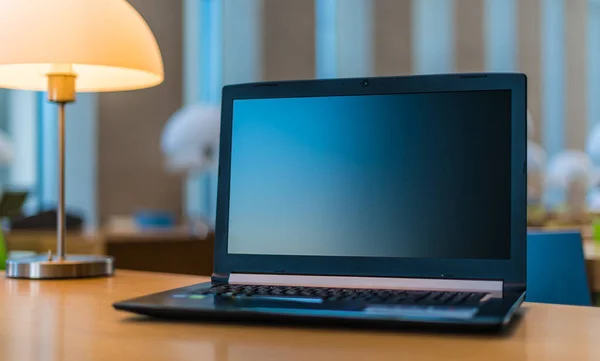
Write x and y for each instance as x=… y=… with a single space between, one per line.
x=422 y=312
x=289 y=302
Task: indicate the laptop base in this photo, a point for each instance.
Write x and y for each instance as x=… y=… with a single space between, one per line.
x=184 y=304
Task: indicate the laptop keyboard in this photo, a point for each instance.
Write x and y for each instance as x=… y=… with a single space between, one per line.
x=371 y=296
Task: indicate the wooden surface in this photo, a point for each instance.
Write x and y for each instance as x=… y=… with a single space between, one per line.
x=74 y=320
x=173 y=251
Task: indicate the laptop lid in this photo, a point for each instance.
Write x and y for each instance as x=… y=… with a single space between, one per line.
x=411 y=177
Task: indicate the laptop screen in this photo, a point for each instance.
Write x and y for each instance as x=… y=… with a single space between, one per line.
x=424 y=175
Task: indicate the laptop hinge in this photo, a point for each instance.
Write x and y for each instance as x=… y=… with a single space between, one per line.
x=219 y=278
x=368 y=282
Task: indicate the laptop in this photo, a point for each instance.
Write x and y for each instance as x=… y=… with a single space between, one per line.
x=397 y=201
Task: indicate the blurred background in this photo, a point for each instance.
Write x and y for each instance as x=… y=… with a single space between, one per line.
x=146 y=159
x=115 y=165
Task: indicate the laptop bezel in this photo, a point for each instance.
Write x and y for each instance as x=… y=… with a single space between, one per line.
x=511 y=271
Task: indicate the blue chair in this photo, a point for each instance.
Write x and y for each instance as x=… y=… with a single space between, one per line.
x=556 y=270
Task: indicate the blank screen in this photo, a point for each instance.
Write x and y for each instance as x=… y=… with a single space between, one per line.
x=403 y=175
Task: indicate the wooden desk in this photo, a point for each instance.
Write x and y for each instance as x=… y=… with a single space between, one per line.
x=74 y=320
x=158 y=251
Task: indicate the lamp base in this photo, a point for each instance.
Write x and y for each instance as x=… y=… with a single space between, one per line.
x=73 y=266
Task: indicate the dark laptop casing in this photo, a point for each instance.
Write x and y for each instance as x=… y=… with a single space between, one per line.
x=511 y=271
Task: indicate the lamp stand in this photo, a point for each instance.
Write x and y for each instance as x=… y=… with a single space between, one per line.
x=61 y=90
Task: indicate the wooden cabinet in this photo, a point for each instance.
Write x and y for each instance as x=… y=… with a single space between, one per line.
x=161 y=251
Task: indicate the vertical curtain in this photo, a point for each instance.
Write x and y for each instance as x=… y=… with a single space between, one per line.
x=202 y=82
x=333 y=38
x=553 y=75
x=433 y=36
x=593 y=63
x=500 y=26
x=80 y=154
x=4 y=126
x=21 y=120
x=222 y=45
x=343 y=38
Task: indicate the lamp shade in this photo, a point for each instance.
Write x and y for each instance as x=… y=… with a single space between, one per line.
x=105 y=43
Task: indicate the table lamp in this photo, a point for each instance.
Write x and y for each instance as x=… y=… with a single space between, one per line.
x=64 y=47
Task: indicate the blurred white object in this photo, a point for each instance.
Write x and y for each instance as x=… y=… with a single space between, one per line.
x=594 y=200
x=569 y=166
x=6 y=149
x=190 y=140
x=530 y=128
x=593 y=150
x=594 y=195
x=569 y=177
x=536 y=156
x=536 y=164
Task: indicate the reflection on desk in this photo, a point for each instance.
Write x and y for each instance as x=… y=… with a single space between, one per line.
x=74 y=320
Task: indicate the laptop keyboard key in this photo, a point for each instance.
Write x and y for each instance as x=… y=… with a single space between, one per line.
x=474 y=298
x=460 y=298
x=418 y=294
x=447 y=296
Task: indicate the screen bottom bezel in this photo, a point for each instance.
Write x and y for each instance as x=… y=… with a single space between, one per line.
x=512 y=270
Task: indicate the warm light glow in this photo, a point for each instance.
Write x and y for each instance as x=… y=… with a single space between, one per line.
x=106 y=43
